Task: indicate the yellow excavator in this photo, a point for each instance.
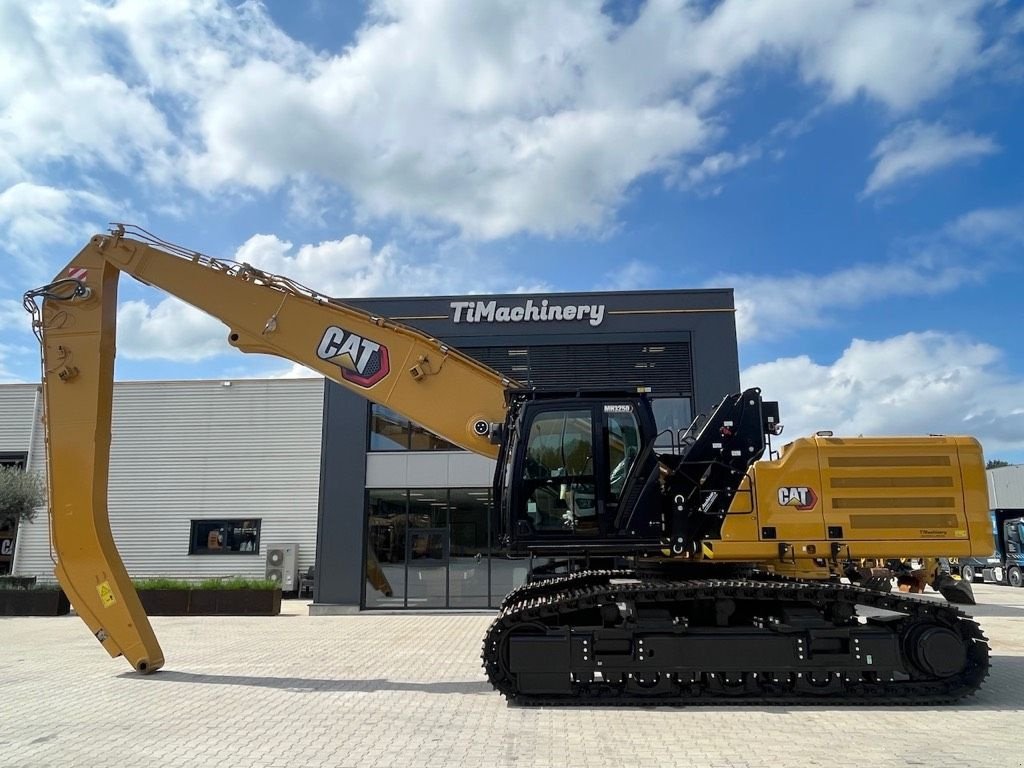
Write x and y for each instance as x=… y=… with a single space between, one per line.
x=714 y=570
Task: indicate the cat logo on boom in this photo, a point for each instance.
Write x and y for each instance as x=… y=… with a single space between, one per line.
x=363 y=362
x=798 y=496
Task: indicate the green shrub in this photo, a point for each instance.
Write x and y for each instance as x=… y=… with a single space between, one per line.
x=236 y=582
x=21 y=493
x=161 y=582
x=24 y=582
x=228 y=582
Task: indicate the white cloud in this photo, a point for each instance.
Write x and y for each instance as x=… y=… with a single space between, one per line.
x=346 y=268
x=713 y=166
x=350 y=268
x=916 y=149
x=294 y=371
x=491 y=119
x=769 y=307
x=990 y=227
x=36 y=213
x=171 y=330
x=13 y=315
x=632 y=276
x=61 y=101
x=964 y=252
x=914 y=384
x=7 y=376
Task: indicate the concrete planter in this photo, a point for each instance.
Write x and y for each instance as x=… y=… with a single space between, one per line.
x=165 y=602
x=235 y=602
x=211 y=602
x=33 y=602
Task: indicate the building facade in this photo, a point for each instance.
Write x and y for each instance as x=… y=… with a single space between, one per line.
x=1006 y=487
x=404 y=517
x=206 y=476
x=19 y=423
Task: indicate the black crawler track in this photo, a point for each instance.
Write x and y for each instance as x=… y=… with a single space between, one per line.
x=558 y=584
x=562 y=611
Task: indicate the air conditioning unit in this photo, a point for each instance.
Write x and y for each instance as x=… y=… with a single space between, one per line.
x=283 y=565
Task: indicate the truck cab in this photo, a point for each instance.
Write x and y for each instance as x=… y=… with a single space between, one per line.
x=1006 y=564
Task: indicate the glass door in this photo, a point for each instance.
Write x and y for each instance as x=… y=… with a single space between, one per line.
x=428 y=568
x=469 y=553
x=428 y=545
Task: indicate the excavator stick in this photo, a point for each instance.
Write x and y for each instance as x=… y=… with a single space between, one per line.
x=77 y=326
x=388 y=363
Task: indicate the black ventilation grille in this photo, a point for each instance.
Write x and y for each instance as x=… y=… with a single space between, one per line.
x=665 y=368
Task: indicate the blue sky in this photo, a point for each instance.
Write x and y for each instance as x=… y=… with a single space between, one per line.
x=853 y=169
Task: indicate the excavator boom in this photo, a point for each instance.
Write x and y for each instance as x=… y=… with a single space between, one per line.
x=390 y=364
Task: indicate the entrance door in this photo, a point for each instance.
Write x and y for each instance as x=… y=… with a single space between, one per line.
x=427 y=559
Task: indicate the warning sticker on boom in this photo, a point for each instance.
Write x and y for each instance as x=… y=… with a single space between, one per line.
x=106 y=594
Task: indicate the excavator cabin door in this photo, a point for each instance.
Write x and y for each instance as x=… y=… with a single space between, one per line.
x=570 y=464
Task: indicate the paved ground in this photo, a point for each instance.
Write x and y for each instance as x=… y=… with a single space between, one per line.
x=407 y=690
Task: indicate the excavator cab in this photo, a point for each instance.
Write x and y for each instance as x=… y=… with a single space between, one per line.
x=572 y=468
x=579 y=471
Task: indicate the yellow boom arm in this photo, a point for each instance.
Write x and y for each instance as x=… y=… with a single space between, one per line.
x=415 y=375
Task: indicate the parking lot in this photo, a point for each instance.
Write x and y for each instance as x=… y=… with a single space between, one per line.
x=407 y=690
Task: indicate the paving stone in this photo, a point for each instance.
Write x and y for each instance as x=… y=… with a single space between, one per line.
x=407 y=690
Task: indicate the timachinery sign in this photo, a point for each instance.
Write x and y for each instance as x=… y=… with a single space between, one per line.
x=483 y=311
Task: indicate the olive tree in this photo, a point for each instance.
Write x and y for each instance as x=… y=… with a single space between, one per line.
x=21 y=494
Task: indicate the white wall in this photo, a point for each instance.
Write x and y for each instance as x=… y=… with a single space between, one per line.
x=1006 y=487
x=434 y=469
x=198 y=449
x=17 y=403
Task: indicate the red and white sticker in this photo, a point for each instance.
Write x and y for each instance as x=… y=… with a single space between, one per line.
x=77 y=273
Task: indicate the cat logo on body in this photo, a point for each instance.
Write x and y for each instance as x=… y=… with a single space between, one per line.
x=363 y=362
x=799 y=496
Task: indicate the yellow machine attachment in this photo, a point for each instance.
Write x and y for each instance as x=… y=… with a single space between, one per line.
x=384 y=362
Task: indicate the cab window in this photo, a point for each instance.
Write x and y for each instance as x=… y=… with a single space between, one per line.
x=623 y=447
x=558 y=471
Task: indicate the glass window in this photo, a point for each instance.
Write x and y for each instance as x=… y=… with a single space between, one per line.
x=468 y=549
x=428 y=508
x=623 y=445
x=559 y=471
x=390 y=431
x=225 y=537
x=386 y=525
x=559 y=444
x=8 y=531
x=421 y=439
x=428 y=548
x=16 y=460
x=671 y=413
x=507 y=573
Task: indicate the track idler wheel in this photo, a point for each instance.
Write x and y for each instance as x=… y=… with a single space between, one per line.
x=936 y=650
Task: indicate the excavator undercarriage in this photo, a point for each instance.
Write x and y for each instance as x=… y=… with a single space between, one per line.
x=605 y=637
